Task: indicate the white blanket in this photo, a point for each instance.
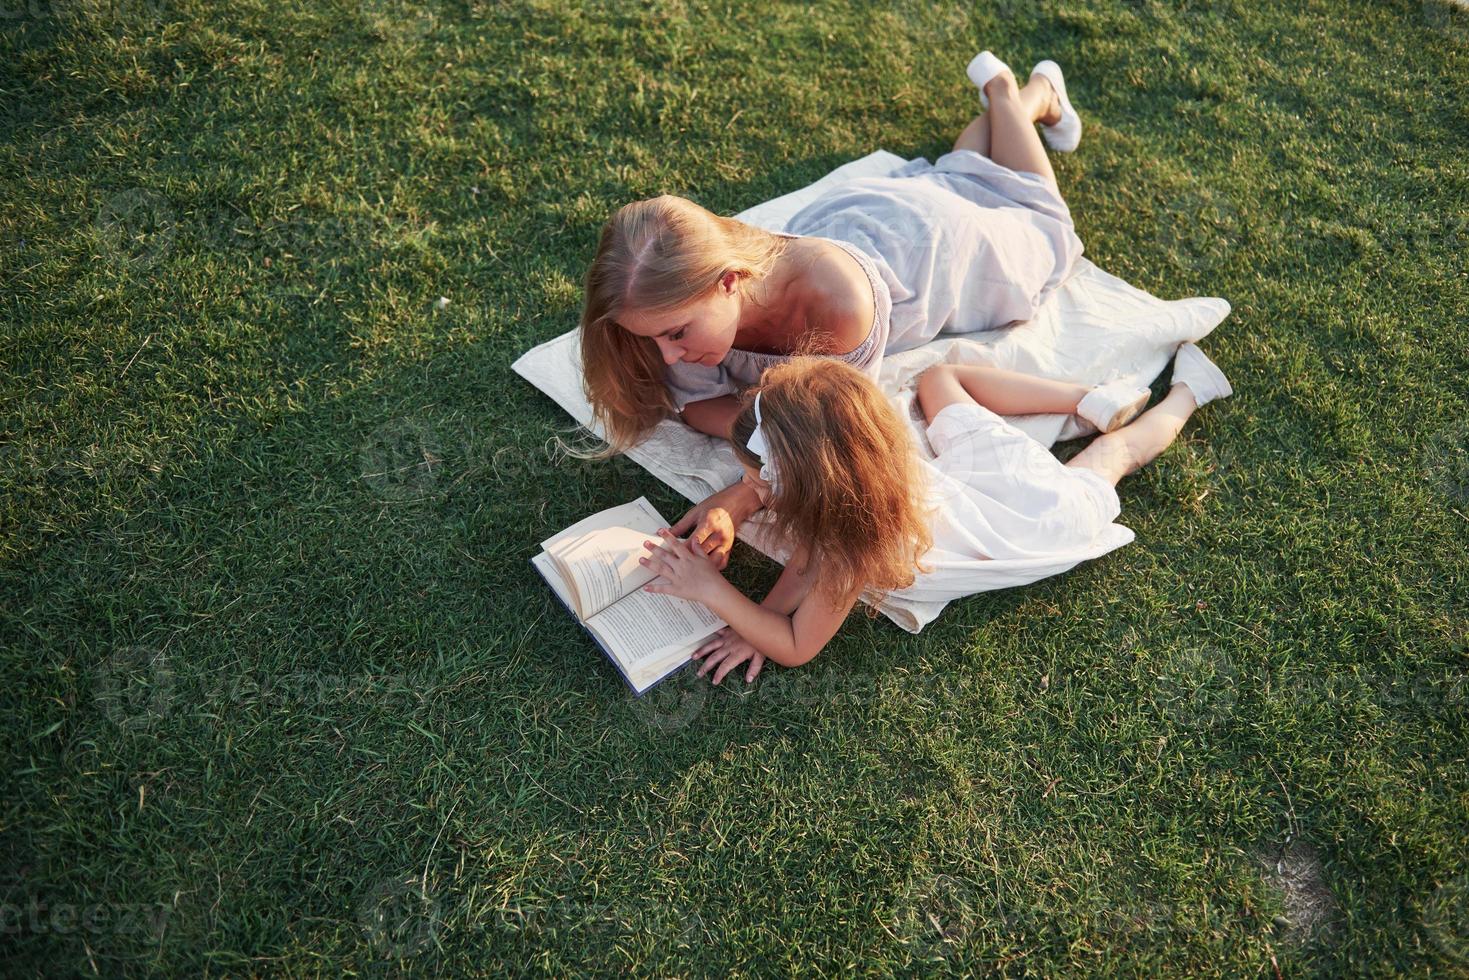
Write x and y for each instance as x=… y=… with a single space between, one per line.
x=1094 y=329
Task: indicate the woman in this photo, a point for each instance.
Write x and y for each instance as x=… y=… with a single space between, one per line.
x=685 y=308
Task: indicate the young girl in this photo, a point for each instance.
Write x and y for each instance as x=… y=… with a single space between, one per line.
x=685 y=308
x=865 y=512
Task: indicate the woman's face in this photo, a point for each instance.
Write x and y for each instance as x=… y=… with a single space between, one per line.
x=701 y=332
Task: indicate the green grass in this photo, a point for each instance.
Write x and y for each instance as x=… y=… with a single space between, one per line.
x=284 y=696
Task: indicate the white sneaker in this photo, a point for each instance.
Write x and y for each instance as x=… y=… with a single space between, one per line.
x=1112 y=405
x=1204 y=379
x=982 y=68
x=1066 y=133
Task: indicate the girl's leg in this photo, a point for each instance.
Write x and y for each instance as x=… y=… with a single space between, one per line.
x=1041 y=105
x=1138 y=443
x=1000 y=391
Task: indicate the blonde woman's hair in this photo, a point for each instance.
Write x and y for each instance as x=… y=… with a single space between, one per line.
x=655 y=256
x=849 y=484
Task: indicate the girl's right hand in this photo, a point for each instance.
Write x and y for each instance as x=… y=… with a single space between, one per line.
x=728 y=650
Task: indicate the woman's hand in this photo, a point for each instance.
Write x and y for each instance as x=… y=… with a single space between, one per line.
x=713 y=532
x=713 y=523
x=727 y=650
x=684 y=568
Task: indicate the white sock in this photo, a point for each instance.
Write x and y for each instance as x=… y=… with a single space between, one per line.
x=1204 y=379
x=1113 y=405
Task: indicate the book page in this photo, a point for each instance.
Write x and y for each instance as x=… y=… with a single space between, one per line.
x=643 y=624
x=638 y=515
x=649 y=668
x=603 y=566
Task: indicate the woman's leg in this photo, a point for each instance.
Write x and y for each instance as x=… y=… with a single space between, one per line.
x=976 y=136
x=1000 y=391
x=1038 y=103
x=1138 y=443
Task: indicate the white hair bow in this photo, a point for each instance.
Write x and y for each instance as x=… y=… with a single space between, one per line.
x=757 y=445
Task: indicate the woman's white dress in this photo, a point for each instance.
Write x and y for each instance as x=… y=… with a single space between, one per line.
x=957 y=246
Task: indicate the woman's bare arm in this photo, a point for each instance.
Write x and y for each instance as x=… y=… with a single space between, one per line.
x=712 y=416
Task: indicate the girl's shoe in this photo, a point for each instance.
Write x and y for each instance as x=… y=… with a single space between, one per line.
x=1204 y=379
x=1112 y=405
x=982 y=68
x=1066 y=133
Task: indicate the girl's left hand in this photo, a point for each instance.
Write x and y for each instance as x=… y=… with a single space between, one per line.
x=726 y=650
x=686 y=571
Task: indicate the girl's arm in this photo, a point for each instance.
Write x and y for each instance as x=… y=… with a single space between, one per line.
x=789 y=640
x=788 y=591
x=728 y=649
x=712 y=416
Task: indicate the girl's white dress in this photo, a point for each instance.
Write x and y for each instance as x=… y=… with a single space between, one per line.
x=1001 y=499
x=961 y=245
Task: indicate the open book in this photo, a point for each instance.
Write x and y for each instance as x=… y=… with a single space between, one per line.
x=593 y=567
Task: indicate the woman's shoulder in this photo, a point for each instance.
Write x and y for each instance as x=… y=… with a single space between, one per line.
x=840 y=298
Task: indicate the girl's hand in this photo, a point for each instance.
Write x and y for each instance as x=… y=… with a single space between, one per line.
x=684 y=568
x=727 y=649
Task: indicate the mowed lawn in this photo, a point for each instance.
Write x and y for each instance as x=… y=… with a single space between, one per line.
x=283 y=695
